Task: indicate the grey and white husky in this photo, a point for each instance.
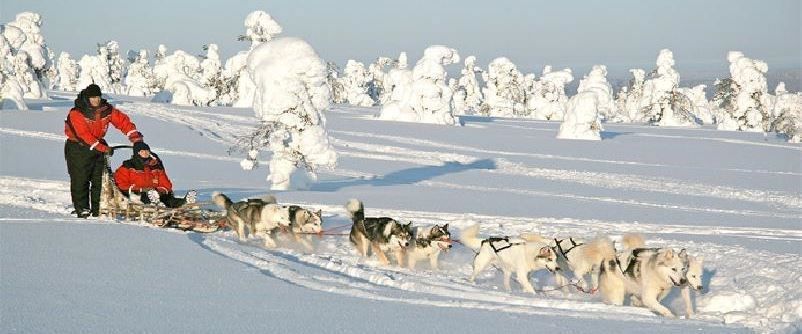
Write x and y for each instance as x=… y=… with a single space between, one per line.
x=380 y=234
x=302 y=223
x=514 y=255
x=428 y=242
x=259 y=217
x=647 y=277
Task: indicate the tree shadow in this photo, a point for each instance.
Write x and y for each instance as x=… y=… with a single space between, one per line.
x=612 y=134
x=406 y=176
x=707 y=276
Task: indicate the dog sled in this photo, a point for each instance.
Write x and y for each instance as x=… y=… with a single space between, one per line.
x=194 y=217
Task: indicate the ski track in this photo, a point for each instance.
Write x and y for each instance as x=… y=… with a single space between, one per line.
x=333 y=267
x=596 y=179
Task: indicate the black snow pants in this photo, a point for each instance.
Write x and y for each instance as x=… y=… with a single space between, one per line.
x=85 y=167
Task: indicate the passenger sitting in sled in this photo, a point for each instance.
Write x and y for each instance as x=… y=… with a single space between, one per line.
x=143 y=178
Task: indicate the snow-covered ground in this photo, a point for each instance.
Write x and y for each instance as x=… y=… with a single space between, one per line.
x=733 y=197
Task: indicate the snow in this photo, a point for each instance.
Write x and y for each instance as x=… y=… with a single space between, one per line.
x=660 y=95
x=468 y=95
x=738 y=211
x=355 y=83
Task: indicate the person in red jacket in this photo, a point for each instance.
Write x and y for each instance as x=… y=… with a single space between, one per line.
x=143 y=177
x=85 y=128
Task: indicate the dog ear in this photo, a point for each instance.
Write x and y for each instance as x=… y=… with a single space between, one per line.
x=445 y=227
x=683 y=253
x=668 y=254
x=320 y=213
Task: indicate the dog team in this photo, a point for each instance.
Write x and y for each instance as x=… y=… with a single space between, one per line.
x=644 y=275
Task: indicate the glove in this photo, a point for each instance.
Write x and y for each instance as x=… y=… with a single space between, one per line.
x=135 y=136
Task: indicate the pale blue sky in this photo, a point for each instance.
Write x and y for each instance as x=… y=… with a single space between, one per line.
x=621 y=34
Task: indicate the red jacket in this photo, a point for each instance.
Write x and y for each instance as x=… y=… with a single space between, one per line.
x=88 y=125
x=137 y=175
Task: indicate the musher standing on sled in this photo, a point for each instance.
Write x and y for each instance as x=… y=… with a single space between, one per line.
x=85 y=127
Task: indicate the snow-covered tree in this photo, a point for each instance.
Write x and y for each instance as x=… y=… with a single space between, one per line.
x=596 y=82
x=259 y=28
x=33 y=44
x=548 y=99
x=115 y=62
x=180 y=73
x=67 y=78
x=629 y=98
x=211 y=75
x=504 y=91
x=582 y=118
x=24 y=57
x=337 y=91
x=661 y=102
x=428 y=98
x=355 y=82
x=788 y=114
x=377 y=74
x=468 y=95
x=291 y=93
x=93 y=69
x=431 y=97
x=11 y=93
x=399 y=85
x=140 y=80
x=700 y=105
x=742 y=99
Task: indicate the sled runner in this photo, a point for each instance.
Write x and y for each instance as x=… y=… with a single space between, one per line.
x=190 y=217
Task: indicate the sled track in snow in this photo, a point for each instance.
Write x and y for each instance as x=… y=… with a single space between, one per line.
x=333 y=266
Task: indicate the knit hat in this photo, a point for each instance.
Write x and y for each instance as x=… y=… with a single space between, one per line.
x=139 y=146
x=92 y=90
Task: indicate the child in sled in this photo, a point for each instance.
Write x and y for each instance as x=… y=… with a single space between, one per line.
x=143 y=179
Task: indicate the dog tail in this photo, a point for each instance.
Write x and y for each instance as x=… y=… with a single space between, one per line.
x=225 y=203
x=468 y=237
x=601 y=248
x=632 y=240
x=355 y=209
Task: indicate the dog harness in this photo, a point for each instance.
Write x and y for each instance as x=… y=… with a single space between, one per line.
x=491 y=241
x=574 y=244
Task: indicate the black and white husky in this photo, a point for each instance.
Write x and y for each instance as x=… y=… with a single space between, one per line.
x=514 y=255
x=428 y=242
x=380 y=234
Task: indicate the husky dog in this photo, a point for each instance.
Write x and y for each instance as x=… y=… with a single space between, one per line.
x=518 y=256
x=692 y=281
x=379 y=234
x=259 y=216
x=649 y=276
x=427 y=243
x=581 y=258
x=692 y=266
x=302 y=223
